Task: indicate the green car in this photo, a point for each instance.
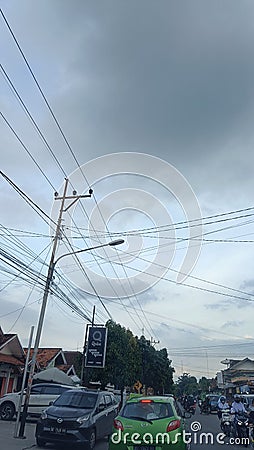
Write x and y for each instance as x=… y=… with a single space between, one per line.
x=149 y=423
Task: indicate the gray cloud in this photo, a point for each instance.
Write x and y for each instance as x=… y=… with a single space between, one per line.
x=232 y=324
x=172 y=79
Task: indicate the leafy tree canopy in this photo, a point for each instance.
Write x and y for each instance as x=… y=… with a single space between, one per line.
x=130 y=359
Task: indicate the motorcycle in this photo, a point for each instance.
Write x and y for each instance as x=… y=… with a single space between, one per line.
x=241 y=428
x=251 y=427
x=226 y=422
x=191 y=409
x=205 y=409
x=251 y=434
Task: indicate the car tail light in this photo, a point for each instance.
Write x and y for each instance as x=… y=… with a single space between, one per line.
x=173 y=425
x=118 y=425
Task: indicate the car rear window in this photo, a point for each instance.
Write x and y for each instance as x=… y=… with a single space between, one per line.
x=247 y=400
x=53 y=390
x=152 y=410
x=214 y=398
x=77 y=400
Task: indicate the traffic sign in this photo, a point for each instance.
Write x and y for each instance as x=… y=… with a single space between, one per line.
x=138 y=385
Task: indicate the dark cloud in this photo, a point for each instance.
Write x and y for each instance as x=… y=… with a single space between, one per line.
x=144 y=75
x=172 y=79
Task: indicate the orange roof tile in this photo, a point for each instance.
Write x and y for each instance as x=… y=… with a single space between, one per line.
x=8 y=359
x=44 y=355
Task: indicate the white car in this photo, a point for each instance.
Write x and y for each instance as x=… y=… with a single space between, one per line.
x=41 y=396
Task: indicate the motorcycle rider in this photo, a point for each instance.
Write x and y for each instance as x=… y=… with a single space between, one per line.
x=237 y=405
x=237 y=408
x=222 y=405
x=251 y=420
x=205 y=406
x=189 y=404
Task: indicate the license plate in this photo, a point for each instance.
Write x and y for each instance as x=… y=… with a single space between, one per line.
x=59 y=430
x=56 y=430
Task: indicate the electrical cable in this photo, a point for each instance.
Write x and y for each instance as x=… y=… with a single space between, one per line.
x=48 y=106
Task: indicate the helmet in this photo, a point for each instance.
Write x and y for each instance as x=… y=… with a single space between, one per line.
x=237 y=397
x=223 y=399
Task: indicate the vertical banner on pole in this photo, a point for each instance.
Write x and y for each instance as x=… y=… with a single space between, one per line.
x=96 y=346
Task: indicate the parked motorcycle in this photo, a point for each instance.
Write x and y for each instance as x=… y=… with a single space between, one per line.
x=241 y=428
x=226 y=421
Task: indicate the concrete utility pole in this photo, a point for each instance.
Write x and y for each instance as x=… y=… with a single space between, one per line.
x=23 y=383
x=45 y=298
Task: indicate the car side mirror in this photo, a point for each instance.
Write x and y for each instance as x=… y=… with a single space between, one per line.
x=186 y=415
x=101 y=408
x=51 y=403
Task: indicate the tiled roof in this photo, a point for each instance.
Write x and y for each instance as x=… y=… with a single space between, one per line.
x=8 y=359
x=5 y=338
x=72 y=357
x=44 y=355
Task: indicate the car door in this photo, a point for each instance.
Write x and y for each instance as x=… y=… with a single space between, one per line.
x=34 y=406
x=112 y=409
x=100 y=418
x=50 y=393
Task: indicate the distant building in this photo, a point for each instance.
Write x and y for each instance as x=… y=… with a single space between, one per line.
x=237 y=377
x=13 y=358
x=12 y=361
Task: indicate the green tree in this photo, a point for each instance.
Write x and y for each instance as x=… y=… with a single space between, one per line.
x=156 y=367
x=187 y=384
x=129 y=359
x=203 y=385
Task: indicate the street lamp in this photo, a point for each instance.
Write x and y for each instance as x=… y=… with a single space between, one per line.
x=51 y=269
x=111 y=244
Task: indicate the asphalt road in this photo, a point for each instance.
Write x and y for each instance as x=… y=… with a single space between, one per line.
x=8 y=442
x=204 y=432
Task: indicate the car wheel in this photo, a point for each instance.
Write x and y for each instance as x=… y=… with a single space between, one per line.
x=7 y=411
x=40 y=442
x=91 y=439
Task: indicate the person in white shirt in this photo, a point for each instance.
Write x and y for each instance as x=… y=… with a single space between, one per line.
x=237 y=406
x=222 y=405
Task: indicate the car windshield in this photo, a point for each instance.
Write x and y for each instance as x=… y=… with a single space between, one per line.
x=71 y=399
x=148 y=411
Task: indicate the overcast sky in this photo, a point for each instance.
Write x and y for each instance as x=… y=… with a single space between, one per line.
x=167 y=79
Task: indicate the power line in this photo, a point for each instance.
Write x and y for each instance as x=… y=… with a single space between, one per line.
x=51 y=112
x=34 y=124
x=173 y=226
x=28 y=200
x=26 y=149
